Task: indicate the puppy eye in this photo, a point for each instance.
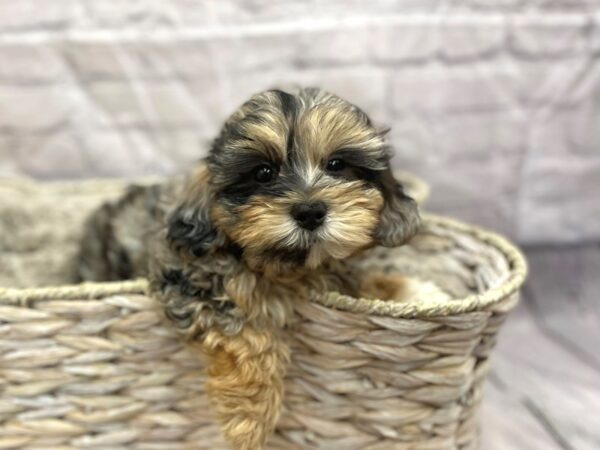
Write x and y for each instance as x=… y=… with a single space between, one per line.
x=264 y=173
x=335 y=165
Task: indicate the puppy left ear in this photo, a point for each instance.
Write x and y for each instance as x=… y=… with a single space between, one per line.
x=399 y=219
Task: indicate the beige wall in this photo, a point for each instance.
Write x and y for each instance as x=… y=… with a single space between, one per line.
x=497 y=107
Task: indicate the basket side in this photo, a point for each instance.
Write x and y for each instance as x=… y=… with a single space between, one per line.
x=504 y=270
x=99 y=372
x=374 y=382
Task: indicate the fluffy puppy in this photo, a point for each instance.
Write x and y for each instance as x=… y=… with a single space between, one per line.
x=293 y=187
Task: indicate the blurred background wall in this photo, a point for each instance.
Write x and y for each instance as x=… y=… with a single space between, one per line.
x=495 y=103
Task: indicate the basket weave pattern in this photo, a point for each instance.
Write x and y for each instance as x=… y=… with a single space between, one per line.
x=94 y=365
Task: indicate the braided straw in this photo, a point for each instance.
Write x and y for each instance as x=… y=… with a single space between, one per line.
x=94 y=366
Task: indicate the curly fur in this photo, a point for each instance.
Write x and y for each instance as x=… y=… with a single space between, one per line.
x=227 y=260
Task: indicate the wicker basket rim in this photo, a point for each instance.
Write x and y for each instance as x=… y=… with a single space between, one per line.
x=414 y=309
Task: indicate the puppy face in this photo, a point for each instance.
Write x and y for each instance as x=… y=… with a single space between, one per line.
x=301 y=178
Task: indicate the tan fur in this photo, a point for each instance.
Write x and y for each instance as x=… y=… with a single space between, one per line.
x=245 y=383
x=246 y=371
x=353 y=217
x=399 y=288
x=383 y=286
x=331 y=126
x=268 y=137
x=263 y=223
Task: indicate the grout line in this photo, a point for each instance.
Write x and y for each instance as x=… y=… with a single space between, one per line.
x=200 y=32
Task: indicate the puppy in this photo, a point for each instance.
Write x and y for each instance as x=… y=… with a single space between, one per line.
x=294 y=186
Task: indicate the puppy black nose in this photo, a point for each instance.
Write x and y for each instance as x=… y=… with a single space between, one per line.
x=310 y=215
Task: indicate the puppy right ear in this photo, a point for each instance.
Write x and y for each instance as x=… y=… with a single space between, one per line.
x=189 y=226
x=190 y=229
x=399 y=220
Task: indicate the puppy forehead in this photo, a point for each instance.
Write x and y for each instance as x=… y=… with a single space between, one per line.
x=263 y=131
x=300 y=131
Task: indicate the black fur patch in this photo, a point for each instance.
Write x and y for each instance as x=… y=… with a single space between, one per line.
x=182 y=309
x=290 y=142
x=123 y=267
x=235 y=250
x=357 y=157
x=191 y=233
x=175 y=278
x=239 y=191
x=289 y=105
x=297 y=257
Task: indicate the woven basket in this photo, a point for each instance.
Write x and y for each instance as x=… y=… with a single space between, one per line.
x=93 y=365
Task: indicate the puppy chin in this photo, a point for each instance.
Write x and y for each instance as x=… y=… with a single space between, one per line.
x=317 y=255
x=323 y=251
x=311 y=255
x=339 y=240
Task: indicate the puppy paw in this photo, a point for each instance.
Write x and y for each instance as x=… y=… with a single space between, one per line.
x=400 y=288
x=245 y=385
x=246 y=434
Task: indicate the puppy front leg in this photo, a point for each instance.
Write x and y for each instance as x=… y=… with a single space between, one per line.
x=384 y=287
x=400 y=288
x=245 y=383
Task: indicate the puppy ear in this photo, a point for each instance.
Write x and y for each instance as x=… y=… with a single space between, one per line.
x=399 y=219
x=190 y=229
x=189 y=226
